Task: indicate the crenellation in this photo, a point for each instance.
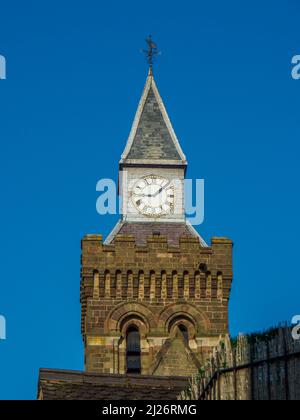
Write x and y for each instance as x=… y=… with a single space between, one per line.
x=157 y=277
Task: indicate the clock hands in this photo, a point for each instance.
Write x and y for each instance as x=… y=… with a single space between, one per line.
x=161 y=189
x=153 y=196
x=156 y=193
x=144 y=195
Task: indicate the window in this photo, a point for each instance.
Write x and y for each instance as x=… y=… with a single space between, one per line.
x=133 y=351
x=184 y=331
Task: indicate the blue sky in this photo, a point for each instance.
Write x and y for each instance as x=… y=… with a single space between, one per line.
x=74 y=78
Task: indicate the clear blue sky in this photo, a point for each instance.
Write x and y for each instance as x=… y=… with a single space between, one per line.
x=75 y=75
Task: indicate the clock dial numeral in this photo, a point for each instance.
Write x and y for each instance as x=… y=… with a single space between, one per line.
x=142 y=185
x=153 y=196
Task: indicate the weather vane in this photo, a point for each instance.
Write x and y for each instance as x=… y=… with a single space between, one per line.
x=151 y=52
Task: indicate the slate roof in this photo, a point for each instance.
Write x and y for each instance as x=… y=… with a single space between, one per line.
x=74 y=385
x=142 y=230
x=152 y=137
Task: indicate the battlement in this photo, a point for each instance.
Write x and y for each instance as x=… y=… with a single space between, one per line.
x=126 y=253
x=155 y=284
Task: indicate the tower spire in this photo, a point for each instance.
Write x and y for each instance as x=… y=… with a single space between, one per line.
x=152 y=138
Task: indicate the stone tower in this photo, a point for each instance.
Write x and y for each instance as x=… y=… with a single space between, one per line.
x=154 y=295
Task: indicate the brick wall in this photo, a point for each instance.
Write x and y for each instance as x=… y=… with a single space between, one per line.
x=156 y=288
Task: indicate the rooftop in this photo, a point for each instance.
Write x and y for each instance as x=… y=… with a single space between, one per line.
x=76 y=385
x=152 y=138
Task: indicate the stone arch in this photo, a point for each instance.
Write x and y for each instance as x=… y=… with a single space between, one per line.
x=186 y=310
x=134 y=321
x=123 y=311
x=187 y=322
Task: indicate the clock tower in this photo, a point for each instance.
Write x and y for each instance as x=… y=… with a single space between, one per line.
x=154 y=294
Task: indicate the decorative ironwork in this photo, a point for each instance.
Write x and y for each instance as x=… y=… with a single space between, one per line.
x=151 y=52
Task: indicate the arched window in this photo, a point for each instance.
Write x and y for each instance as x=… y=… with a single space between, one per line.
x=133 y=350
x=184 y=331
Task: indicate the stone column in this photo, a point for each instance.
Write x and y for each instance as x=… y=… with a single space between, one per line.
x=107 y=285
x=164 y=286
x=175 y=285
x=130 y=285
x=186 y=286
x=141 y=286
x=96 y=291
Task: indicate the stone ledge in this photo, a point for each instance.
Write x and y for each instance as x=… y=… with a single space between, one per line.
x=216 y=240
x=124 y=238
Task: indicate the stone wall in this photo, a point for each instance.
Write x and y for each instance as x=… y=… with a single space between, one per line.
x=156 y=288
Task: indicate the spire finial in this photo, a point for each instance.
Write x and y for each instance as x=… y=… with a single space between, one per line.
x=151 y=53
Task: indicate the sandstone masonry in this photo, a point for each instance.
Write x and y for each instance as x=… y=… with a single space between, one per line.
x=157 y=288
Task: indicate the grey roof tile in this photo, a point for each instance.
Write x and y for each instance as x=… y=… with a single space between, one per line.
x=153 y=139
x=73 y=385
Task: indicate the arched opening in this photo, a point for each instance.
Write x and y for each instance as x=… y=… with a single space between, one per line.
x=203 y=268
x=184 y=331
x=183 y=326
x=133 y=350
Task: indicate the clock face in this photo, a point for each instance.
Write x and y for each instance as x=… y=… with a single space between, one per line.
x=153 y=196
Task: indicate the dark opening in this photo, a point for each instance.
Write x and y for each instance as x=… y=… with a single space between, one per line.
x=133 y=351
x=184 y=332
x=203 y=268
